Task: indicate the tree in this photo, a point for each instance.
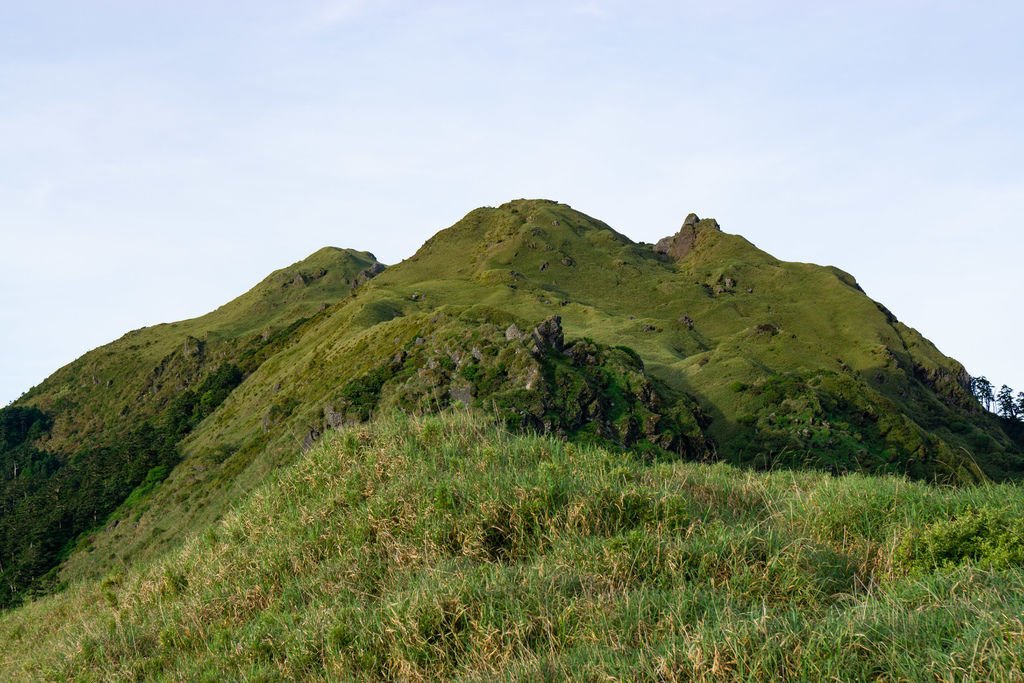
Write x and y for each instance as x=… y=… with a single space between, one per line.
x=1020 y=406
x=982 y=390
x=1007 y=406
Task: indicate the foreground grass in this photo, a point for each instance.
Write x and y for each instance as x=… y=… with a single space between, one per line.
x=445 y=548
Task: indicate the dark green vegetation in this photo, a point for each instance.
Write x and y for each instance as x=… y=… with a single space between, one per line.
x=74 y=451
x=444 y=548
x=701 y=348
x=532 y=382
x=48 y=502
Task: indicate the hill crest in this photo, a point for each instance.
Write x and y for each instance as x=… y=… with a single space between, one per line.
x=702 y=339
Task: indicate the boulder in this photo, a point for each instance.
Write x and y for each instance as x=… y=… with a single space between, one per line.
x=548 y=335
x=369 y=273
x=461 y=394
x=312 y=436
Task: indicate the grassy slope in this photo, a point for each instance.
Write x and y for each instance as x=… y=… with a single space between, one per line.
x=419 y=549
x=525 y=261
x=100 y=401
x=118 y=384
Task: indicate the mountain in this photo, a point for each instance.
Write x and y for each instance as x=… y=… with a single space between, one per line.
x=701 y=347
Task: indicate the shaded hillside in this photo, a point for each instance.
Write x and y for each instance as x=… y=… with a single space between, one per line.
x=703 y=346
x=104 y=431
x=443 y=548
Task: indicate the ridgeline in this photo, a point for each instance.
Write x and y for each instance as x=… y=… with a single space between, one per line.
x=556 y=333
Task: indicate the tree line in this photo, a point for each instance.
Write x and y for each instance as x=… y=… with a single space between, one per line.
x=1004 y=401
x=50 y=502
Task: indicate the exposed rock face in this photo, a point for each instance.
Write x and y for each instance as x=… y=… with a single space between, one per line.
x=549 y=335
x=312 y=436
x=535 y=381
x=461 y=394
x=369 y=273
x=679 y=245
x=336 y=420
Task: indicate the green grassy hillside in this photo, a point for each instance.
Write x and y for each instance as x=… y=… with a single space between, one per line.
x=704 y=347
x=140 y=373
x=715 y=325
x=446 y=548
x=101 y=433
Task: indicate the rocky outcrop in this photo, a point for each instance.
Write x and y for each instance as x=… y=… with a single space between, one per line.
x=548 y=335
x=367 y=274
x=535 y=381
x=680 y=244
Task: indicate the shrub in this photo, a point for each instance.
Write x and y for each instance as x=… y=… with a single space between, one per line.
x=988 y=538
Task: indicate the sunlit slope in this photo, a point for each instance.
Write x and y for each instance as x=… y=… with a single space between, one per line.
x=94 y=439
x=116 y=385
x=724 y=318
x=793 y=364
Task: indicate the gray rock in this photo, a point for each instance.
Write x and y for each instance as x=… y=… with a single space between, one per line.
x=369 y=273
x=680 y=244
x=312 y=436
x=462 y=394
x=336 y=420
x=548 y=335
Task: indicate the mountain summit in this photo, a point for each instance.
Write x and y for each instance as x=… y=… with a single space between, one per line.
x=700 y=347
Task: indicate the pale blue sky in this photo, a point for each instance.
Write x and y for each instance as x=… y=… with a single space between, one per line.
x=159 y=158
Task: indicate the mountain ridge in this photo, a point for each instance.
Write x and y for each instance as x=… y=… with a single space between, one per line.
x=703 y=334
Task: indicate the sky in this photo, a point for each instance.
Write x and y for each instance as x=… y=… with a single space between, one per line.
x=159 y=158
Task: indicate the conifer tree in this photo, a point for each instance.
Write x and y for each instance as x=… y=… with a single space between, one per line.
x=1006 y=404
x=982 y=389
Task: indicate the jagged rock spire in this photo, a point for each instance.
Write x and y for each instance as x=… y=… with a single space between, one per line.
x=679 y=245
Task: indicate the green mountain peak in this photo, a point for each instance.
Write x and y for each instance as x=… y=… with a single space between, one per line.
x=701 y=346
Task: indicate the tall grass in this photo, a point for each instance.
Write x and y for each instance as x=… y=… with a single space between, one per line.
x=445 y=548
